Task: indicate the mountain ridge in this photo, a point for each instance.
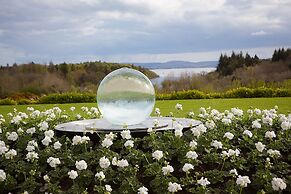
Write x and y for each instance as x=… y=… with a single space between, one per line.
x=177 y=64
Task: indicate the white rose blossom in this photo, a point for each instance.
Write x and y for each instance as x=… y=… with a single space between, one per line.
x=46 y=141
x=10 y=154
x=228 y=135
x=81 y=165
x=57 y=145
x=100 y=175
x=106 y=142
x=122 y=163
x=174 y=187
x=53 y=162
x=203 y=182
x=13 y=136
x=125 y=134
x=46 y=178
x=260 y=147
x=193 y=144
x=2 y=175
x=167 y=169
x=31 y=130
x=104 y=162
x=233 y=171
x=73 y=174
x=191 y=155
x=243 y=181
x=108 y=188
x=31 y=156
x=157 y=155
x=142 y=190
x=270 y=134
x=278 y=184
x=129 y=143
x=216 y=144
x=187 y=167
x=248 y=133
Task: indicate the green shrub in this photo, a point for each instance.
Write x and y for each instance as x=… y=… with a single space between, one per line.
x=7 y=101
x=67 y=98
x=25 y=101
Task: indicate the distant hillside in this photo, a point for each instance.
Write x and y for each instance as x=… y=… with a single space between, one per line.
x=41 y=79
x=178 y=64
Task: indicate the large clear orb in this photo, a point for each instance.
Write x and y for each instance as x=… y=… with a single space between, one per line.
x=126 y=97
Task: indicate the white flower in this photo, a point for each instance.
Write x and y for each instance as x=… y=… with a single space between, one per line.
x=43 y=126
x=232 y=152
x=73 y=174
x=110 y=136
x=226 y=121
x=277 y=184
x=243 y=181
x=84 y=109
x=193 y=144
x=10 y=154
x=178 y=133
x=53 y=162
x=30 y=148
x=201 y=128
x=46 y=141
x=125 y=134
x=270 y=134
x=122 y=163
x=228 y=135
x=233 y=171
x=256 y=124
x=285 y=125
x=49 y=133
x=114 y=161
x=108 y=188
x=77 y=140
x=258 y=111
x=16 y=119
x=104 y=162
x=31 y=130
x=268 y=120
x=157 y=154
x=224 y=154
x=72 y=108
x=107 y=142
x=129 y=143
x=31 y=156
x=100 y=175
x=203 y=182
x=192 y=155
x=3 y=147
x=187 y=167
x=274 y=153
x=12 y=136
x=191 y=114
x=179 y=106
x=81 y=165
x=2 y=175
x=85 y=139
x=210 y=124
x=174 y=187
x=216 y=144
x=149 y=130
x=248 y=133
x=157 y=111
x=20 y=131
x=46 y=178
x=142 y=190
x=57 y=145
x=167 y=169
x=195 y=132
x=260 y=147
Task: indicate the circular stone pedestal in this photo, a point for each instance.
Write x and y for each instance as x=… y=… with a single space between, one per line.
x=103 y=126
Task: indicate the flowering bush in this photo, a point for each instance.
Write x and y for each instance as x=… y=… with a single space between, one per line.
x=230 y=152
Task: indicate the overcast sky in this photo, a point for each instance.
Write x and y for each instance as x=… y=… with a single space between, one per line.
x=140 y=30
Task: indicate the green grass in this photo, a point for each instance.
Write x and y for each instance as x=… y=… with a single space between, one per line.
x=167 y=106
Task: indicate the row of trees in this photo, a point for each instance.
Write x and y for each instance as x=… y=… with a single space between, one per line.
x=228 y=64
x=42 y=79
x=281 y=54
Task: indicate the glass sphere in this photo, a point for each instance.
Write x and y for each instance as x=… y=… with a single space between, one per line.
x=126 y=97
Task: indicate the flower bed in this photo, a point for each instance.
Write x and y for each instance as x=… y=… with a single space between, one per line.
x=231 y=152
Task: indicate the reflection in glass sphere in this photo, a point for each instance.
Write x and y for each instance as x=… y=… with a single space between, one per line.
x=126 y=97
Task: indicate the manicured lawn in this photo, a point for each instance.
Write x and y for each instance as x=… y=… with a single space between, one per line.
x=167 y=106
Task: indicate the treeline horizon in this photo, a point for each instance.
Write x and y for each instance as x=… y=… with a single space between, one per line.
x=37 y=79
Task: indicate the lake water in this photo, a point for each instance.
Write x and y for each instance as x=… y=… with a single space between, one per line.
x=177 y=72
